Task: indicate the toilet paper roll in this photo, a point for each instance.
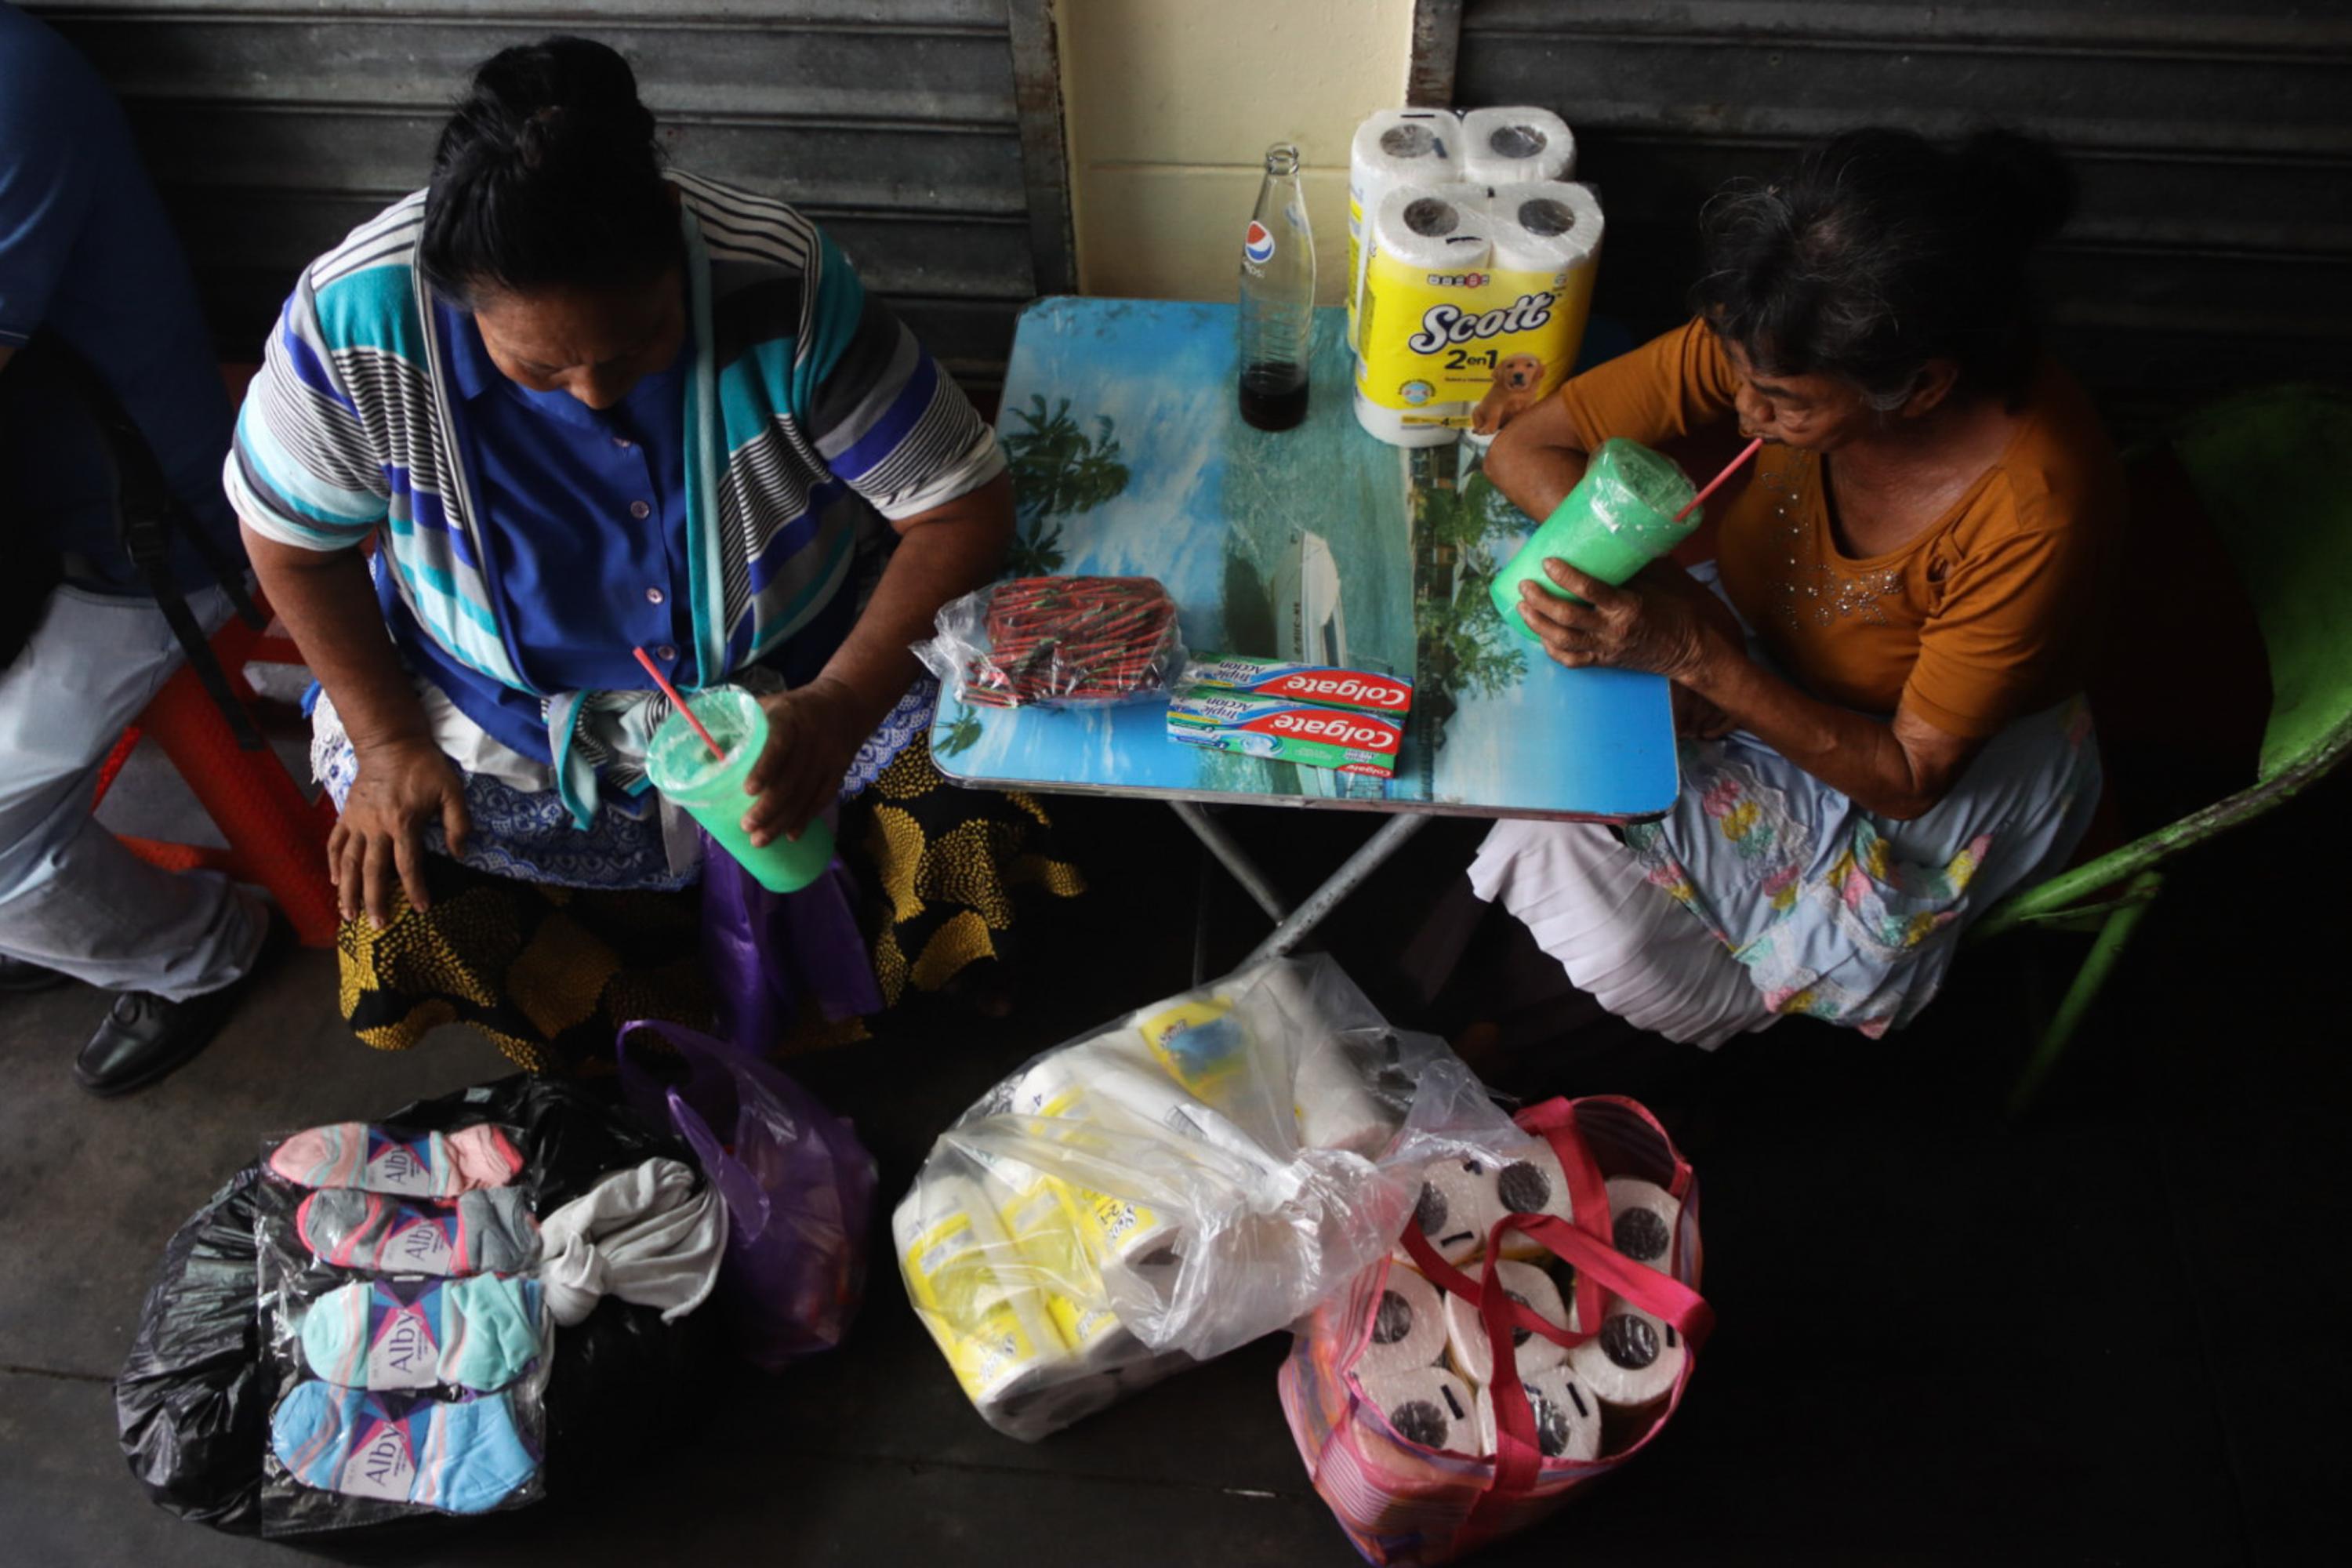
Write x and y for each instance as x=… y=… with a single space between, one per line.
x=1547 y=247
x=1551 y=226
x=1407 y=427
x=1419 y=232
x=1332 y=1104
x=965 y=1279
x=1050 y=1406
x=1134 y=1086
x=1125 y=1089
x=1047 y=1229
x=1507 y=146
x=1466 y=1331
x=1426 y=228
x=1335 y=1107
x=1455 y=1208
x=1408 y=1326
x=1428 y=1405
x=1634 y=1361
x=1530 y=1181
x=1395 y=147
x=1643 y=1217
x=1116 y=1229
x=1567 y=1416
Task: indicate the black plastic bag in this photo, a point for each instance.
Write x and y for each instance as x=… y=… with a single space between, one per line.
x=193 y=1401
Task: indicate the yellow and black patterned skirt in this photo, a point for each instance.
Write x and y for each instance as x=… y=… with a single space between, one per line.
x=550 y=974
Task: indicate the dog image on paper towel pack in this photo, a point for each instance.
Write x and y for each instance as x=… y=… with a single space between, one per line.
x=1515 y=389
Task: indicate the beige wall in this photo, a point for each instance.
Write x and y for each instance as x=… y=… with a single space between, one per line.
x=1170 y=105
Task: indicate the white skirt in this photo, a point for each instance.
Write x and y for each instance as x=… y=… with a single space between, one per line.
x=1623 y=940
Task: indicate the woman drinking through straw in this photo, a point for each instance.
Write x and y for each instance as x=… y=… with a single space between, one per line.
x=1879 y=681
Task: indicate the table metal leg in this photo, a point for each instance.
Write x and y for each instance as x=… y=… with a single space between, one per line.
x=1295 y=926
x=1235 y=859
x=1203 y=928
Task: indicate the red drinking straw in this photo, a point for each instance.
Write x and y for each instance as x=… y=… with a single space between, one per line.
x=1713 y=485
x=679 y=702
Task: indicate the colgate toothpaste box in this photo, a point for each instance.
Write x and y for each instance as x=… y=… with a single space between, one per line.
x=1286 y=731
x=1327 y=684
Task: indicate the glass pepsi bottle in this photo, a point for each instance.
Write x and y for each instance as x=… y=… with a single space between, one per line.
x=1277 y=317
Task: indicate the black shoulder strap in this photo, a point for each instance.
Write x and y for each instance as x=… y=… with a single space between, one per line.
x=148 y=516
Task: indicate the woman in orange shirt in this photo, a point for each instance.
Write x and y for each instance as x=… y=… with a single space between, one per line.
x=1879 y=684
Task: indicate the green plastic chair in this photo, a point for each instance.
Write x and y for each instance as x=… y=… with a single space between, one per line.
x=2268 y=467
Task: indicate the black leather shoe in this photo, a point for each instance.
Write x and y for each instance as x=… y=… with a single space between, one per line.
x=144 y=1037
x=18 y=978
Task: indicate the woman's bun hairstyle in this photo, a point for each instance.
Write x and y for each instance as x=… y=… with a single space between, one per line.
x=547 y=175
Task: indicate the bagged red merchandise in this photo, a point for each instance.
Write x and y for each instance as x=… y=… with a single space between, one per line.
x=1057 y=642
x=1419 y=1465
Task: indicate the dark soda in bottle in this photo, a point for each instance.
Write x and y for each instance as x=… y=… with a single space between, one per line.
x=1277 y=313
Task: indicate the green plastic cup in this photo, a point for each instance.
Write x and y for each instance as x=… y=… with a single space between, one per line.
x=711 y=791
x=1618 y=518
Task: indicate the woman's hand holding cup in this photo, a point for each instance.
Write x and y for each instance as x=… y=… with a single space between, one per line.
x=814 y=733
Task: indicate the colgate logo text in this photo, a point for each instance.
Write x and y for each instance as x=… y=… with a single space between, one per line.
x=1348 y=689
x=1337 y=729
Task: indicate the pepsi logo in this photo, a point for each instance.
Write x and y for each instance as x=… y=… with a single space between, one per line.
x=1257 y=245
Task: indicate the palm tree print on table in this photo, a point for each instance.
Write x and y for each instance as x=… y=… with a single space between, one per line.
x=960 y=734
x=1464 y=647
x=1057 y=470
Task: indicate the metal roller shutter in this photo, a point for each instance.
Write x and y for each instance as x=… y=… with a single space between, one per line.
x=2212 y=245
x=274 y=126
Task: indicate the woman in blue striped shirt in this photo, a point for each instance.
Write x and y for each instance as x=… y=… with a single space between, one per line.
x=579 y=403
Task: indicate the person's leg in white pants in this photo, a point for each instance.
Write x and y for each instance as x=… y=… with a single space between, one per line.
x=72 y=898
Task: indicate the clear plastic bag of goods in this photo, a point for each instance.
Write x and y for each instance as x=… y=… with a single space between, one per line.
x=1536 y=1326
x=1161 y=1191
x=1057 y=642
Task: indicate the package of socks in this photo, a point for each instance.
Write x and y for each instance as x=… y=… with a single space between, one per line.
x=1158 y=1192
x=347 y=1337
x=409 y=1329
x=1535 y=1328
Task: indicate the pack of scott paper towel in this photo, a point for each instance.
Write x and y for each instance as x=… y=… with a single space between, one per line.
x=1470 y=267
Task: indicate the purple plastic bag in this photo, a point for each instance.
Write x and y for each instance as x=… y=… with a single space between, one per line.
x=765 y=950
x=798 y=1185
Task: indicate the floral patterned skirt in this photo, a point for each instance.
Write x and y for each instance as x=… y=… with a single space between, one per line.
x=1826 y=910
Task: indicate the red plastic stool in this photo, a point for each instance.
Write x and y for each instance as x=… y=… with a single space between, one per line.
x=274 y=836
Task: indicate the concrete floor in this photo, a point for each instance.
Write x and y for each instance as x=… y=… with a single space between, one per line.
x=2108 y=1334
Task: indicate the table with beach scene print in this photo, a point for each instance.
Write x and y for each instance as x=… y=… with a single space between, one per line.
x=1319 y=543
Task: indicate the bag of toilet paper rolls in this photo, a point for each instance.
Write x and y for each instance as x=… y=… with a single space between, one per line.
x=1161 y=1191
x=1459 y=1390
